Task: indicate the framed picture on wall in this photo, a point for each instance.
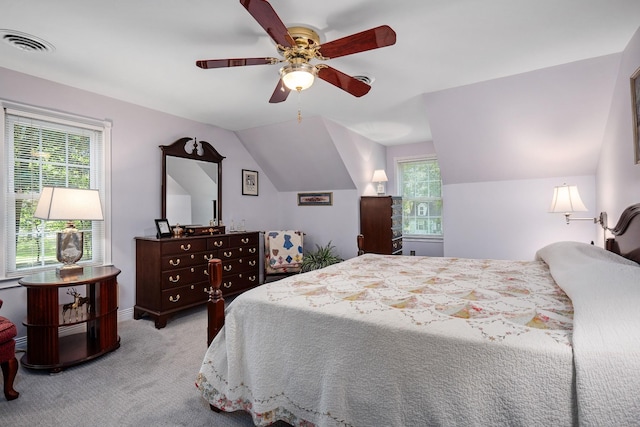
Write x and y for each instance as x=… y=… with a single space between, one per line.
x=249 y=183
x=315 y=199
x=635 y=105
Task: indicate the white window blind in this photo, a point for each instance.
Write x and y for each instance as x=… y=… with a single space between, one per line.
x=48 y=150
x=420 y=186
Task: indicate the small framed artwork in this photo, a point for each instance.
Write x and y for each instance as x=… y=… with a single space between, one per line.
x=635 y=105
x=315 y=199
x=163 y=227
x=249 y=183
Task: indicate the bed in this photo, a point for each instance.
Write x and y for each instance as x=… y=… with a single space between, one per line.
x=407 y=341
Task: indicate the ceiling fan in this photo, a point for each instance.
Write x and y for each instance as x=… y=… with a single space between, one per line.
x=300 y=45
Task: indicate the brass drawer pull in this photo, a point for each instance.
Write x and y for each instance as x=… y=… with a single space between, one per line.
x=206 y=273
x=228 y=254
x=193 y=287
x=252 y=250
x=227 y=285
x=187 y=248
x=208 y=257
x=174 y=263
x=227 y=267
x=193 y=257
x=245 y=240
x=252 y=278
x=252 y=262
x=218 y=243
x=176 y=280
x=176 y=299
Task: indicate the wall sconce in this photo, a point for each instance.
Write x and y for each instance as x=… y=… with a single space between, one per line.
x=68 y=204
x=566 y=200
x=380 y=176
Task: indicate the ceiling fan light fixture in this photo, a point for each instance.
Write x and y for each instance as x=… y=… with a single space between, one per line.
x=298 y=76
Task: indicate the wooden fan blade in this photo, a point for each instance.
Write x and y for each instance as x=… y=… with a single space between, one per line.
x=345 y=82
x=280 y=94
x=268 y=19
x=238 y=62
x=366 y=40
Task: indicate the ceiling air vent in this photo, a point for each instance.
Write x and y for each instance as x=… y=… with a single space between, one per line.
x=25 y=42
x=364 y=79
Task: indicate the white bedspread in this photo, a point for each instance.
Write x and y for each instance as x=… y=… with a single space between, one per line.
x=605 y=290
x=399 y=341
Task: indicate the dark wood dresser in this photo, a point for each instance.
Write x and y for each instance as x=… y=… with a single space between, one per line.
x=171 y=273
x=381 y=224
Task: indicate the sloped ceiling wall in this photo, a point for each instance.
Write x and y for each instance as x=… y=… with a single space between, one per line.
x=541 y=124
x=298 y=156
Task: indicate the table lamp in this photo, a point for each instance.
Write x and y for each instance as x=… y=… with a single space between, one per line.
x=69 y=204
x=379 y=176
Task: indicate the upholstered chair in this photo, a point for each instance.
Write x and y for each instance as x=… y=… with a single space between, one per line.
x=8 y=359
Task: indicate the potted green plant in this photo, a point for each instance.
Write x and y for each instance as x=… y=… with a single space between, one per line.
x=321 y=257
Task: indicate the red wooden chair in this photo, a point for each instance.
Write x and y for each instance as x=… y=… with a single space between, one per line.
x=8 y=360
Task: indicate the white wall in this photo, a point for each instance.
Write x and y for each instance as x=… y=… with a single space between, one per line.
x=136 y=168
x=618 y=178
x=510 y=219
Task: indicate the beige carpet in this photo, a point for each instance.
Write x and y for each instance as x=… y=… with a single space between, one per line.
x=148 y=381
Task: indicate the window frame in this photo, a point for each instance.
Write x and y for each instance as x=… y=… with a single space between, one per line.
x=399 y=183
x=6 y=194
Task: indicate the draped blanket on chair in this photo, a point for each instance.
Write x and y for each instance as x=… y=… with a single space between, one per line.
x=283 y=251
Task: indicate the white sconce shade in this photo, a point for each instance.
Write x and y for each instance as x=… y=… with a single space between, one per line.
x=380 y=176
x=566 y=199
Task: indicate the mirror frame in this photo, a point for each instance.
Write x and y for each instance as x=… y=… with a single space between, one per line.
x=187 y=149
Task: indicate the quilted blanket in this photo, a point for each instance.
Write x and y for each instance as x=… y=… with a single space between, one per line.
x=399 y=341
x=605 y=290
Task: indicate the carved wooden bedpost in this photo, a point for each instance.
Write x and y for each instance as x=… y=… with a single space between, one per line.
x=215 y=305
x=360 y=244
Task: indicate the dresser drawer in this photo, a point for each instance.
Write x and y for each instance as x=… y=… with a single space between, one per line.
x=184 y=276
x=183 y=296
x=217 y=242
x=237 y=252
x=238 y=265
x=235 y=283
x=243 y=239
x=172 y=262
x=180 y=247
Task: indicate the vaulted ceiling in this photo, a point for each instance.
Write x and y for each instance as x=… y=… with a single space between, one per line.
x=144 y=52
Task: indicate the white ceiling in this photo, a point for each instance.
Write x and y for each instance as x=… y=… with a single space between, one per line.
x=144 y=52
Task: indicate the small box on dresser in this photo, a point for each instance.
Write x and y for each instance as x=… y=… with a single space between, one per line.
x=171 y=273
x=381 y=224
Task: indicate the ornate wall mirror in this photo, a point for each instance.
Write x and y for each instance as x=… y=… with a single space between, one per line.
x=191 y=183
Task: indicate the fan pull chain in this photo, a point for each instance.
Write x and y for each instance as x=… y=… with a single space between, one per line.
x=299 y=104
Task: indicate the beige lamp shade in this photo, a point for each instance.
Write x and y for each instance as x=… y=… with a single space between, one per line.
x=68 y=204
x=566 y=199
x=379 y=175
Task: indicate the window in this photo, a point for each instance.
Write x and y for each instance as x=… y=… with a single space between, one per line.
x=48 y=149
x=420 y=186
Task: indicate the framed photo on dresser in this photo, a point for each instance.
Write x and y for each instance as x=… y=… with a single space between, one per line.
x=163 y=228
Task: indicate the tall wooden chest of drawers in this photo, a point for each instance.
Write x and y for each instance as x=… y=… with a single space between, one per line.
x=381 y=224
x=171 y=273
